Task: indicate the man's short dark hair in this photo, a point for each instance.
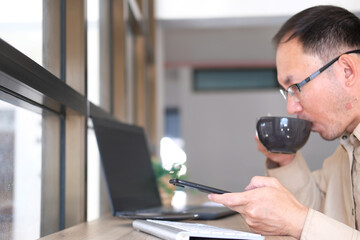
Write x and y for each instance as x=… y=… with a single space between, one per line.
x=325 y=31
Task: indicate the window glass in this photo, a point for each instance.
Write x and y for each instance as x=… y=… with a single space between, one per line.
x=232 y=79
x=21 y=26
x=20 y=177
x=93 y=168
x=97 y=194
x=130 y=74
x=93 y=162
x=93 y=57
x=172 y=122
x=98 y=94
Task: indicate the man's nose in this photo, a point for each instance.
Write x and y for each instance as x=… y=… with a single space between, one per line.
x=293 y=107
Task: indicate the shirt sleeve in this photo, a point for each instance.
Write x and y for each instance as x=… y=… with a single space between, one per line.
x=321 y=227
x=298 y=179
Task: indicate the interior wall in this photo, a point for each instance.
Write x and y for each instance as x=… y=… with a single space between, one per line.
x=218 y=130
x=219 y=46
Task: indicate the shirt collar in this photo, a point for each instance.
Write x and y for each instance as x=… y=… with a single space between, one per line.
x=352 y=139
x=357 y=131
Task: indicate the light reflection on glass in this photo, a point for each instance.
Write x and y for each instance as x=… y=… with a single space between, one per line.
x=284 y=122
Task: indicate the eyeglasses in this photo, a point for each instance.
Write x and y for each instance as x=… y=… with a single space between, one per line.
x=295 y=89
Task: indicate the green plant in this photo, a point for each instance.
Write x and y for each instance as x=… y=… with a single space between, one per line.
x=163 y=175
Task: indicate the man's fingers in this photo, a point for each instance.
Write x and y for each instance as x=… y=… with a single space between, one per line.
x=229 y=199
x=242 y=198
x=257 y=182
x=260 y=181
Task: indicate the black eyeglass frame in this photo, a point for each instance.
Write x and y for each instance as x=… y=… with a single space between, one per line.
x=285 y=93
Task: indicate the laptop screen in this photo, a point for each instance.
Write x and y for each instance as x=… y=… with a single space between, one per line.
x=127 y=165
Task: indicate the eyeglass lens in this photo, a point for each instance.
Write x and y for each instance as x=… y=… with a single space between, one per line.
x=292 y=91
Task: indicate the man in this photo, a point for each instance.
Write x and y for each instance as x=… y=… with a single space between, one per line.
x=322 y=42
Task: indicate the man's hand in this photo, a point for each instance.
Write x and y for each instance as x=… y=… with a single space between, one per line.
x=267 y=207
x=281 y=159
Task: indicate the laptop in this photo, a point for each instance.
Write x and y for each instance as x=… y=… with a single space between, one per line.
x=130 y=179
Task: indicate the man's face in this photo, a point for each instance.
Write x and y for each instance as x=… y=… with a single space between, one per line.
x=321 y=100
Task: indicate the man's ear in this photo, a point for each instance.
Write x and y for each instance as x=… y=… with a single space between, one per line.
x=349 y=69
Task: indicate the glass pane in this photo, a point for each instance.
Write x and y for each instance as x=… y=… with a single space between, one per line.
x=99 y=59
x=93 y=178
x=172 y=122
x=230 y=79
x=98 y=201
x=130 y=74
x=21 y=26
x=98 y=68
x=93 y=40
x=21 y=167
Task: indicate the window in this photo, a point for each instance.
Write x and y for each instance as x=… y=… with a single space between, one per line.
x=46 y=102
x=234 y=79
x=172 y=123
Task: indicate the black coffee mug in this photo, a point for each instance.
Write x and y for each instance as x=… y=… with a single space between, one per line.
x=283 y=134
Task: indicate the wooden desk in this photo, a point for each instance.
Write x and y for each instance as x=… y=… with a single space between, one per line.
x=113 y=228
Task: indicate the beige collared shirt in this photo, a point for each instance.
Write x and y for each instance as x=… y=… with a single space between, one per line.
x=331 y=193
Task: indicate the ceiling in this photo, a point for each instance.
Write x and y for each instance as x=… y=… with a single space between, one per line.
x=207 y=37
x=220 y=42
